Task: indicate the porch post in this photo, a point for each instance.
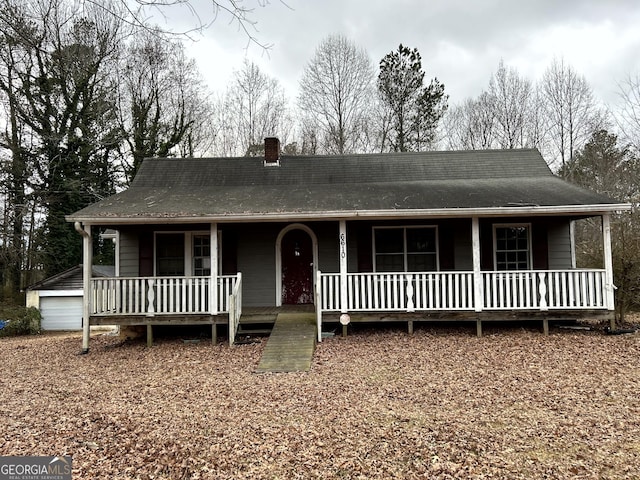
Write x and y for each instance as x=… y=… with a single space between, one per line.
x=343 y=267
x=608 y=266
x=478 y=295
x=213 y=288
x=87 y=260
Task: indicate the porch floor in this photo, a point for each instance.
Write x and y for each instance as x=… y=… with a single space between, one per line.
x=269 y=314
x=291 y=344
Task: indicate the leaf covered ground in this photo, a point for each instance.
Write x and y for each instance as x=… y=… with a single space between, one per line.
x=379 y=404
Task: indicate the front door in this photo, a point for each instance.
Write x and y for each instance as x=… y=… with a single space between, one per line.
x=297 y=268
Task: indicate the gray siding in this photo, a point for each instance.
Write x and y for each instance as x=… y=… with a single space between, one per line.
x=129 y=254
x=463 y=247
x=257 y=263
x=328 y=246
x=559 y=238
x=257 y=258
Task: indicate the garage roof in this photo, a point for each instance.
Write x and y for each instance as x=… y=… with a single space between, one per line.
x=71 y=279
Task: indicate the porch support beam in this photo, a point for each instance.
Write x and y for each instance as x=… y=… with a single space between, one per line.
x=87 y=271
x=343 y=266
x=149 y=335
x=213 y=288
x=478 y=294
x=608 y=266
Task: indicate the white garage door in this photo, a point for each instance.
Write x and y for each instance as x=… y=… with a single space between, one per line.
x=61 y=313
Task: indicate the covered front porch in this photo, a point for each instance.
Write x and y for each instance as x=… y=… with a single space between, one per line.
x=424 y=296
x=410 y=297
x=475 y=293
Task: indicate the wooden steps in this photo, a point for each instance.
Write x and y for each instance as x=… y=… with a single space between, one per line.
x=291 y=344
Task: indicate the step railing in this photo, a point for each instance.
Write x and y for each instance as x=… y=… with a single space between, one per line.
x=235 y=309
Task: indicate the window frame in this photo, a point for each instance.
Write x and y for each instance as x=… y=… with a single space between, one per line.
x=405 y=253
x=155 y=252
x=195 y=235
x=188 y=255
x=526 y=225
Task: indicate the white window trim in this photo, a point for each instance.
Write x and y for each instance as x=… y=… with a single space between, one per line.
x=529 y=243
x=405 y=228
x=188 y=248
x=193 y=258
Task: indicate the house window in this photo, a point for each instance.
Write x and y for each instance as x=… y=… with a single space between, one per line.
x=201 y=255
x=184 y=254
x=170 y=254
x=405 y=249
x=512 y=247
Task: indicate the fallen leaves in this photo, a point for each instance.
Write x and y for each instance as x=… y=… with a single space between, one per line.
x=378 y=404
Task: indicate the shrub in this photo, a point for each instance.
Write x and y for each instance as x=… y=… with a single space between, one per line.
x=21 y=321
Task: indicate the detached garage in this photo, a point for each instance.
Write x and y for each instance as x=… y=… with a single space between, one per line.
x=59 y=298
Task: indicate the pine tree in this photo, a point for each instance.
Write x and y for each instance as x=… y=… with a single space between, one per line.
x=415 y=107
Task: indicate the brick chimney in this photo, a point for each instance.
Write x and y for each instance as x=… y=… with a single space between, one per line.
x=272 y=151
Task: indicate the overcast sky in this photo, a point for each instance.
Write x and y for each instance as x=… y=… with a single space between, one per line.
x=461 y=41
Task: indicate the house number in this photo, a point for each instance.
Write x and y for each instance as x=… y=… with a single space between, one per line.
x=343 y=246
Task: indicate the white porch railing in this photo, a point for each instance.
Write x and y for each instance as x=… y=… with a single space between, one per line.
x=454 y=291
x=399 y=291
x=158 y=295
x=544 y=289
x=235 y=309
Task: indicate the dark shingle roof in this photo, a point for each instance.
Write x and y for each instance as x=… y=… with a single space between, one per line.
x=71 y=279
x=311 y=185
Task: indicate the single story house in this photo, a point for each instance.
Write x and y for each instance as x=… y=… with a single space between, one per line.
x=60 y=297
x=432 y=235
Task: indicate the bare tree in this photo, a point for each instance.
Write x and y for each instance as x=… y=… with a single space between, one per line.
x=143 y=15
x=510 y=96
x=200 y=139
x=257 y=108
x=628 y=115
x=60 y=89
x=571 y=109
x=15 y=166
x=335 y=91
x=471 y=125
x=162 y=98
x=509 y=114
x=537 y=125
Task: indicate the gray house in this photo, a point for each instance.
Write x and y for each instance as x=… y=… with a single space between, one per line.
x=466 y=235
